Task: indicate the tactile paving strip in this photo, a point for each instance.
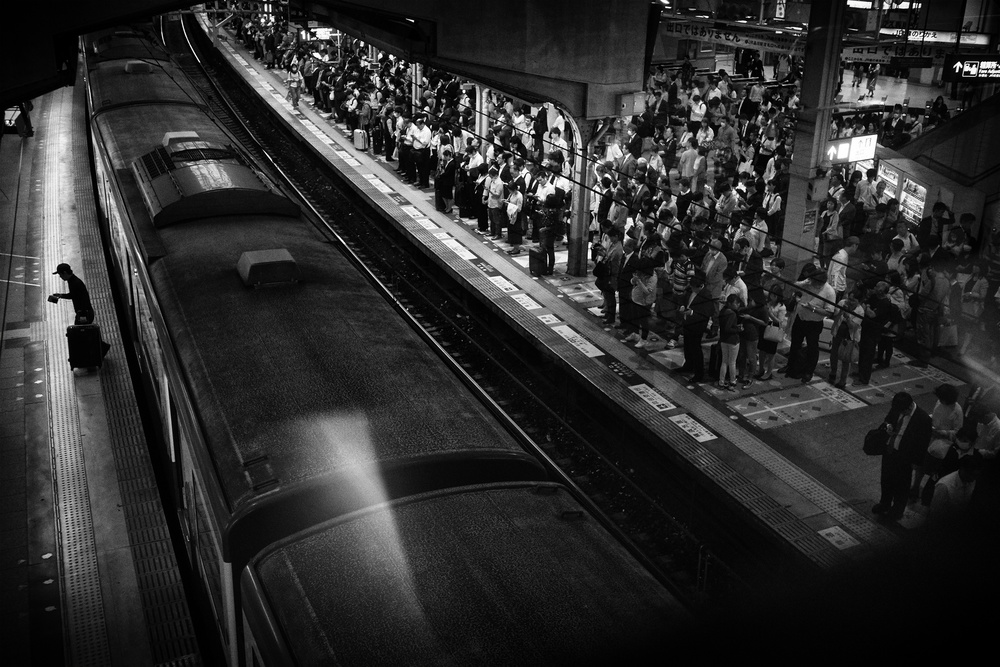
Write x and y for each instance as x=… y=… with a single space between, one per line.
x=86 y=633
x=167 y=618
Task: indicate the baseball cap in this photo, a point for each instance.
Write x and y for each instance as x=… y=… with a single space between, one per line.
x=61 y=268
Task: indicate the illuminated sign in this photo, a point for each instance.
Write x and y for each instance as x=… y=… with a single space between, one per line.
x=939 y=36
x=851 y=149
x=963 y=68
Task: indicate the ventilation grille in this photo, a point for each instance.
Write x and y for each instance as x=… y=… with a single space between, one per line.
x=196 y=154
x=157 y=162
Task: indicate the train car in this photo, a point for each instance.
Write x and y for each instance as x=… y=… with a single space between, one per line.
x=288 y=391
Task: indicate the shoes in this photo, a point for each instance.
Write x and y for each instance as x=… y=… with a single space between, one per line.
x=447 y=211
x=514 y=251
x=641 y=344
x=671 y=344
x=631 y=338
x=793 y=376
x=880 y=509
x=783 y=369
x=748 y=383
x=480 y=232
x=840 y=385
x=806 y=379
x=884 y=365
x=859 y=383
x=765 y=378
x=731 y=387
x=547 y=273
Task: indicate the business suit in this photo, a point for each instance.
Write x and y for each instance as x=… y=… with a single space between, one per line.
x=695 y=324
x=898 y=460
x=627 y=307
x=444 y=185
x=713 y=271
x=642 y=203
x=613 y=260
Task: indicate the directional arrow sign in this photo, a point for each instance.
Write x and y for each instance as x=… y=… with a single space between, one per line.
x=832 y=153
x=958 y=66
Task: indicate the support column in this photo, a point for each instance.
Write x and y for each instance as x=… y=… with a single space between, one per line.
x=416 y=76
x=819 y=84
x=482 y=120
x=584 y=137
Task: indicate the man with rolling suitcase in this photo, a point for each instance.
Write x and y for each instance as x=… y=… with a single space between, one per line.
x=86 y=348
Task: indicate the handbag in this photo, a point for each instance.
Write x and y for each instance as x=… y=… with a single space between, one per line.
x=601 y=270
x=876 y=441
x=644 y=289
x=773 y=333
x=948 y=335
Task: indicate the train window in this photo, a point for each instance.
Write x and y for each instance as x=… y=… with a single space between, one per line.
x=209 y=555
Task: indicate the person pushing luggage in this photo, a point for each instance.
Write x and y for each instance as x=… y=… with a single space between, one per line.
x=81 y=304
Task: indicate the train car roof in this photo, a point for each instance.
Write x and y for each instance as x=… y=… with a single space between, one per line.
x=129 y=133
x=132 y=82
x=480 y=576
x=319 y=379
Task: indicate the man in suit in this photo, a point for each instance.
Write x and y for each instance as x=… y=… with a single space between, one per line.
x=909 y=428
x=750 y=267
x=626 y=307
x=847 y=213
x=713 y=267
x=444 y=182
x=696 y=313
x=642 y=200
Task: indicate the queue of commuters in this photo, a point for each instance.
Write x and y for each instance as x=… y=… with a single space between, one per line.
x=692 y=230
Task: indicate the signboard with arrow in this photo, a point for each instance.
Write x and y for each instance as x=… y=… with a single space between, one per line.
x=851 y=149
x=971 y=68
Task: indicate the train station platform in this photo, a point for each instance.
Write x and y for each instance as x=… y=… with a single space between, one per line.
x=89 y=575
x=782 y=450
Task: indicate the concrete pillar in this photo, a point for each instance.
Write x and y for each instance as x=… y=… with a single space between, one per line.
x=482 y=121
x=416 y=90
x=579 y=251
x=823 y=44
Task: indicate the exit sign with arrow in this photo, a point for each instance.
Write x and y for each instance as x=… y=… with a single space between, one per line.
x=971 y=68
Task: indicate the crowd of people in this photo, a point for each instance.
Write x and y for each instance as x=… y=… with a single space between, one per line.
x=940 y=459
x=697 y=260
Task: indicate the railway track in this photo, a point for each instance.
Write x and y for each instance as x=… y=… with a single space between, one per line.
x=687 y=537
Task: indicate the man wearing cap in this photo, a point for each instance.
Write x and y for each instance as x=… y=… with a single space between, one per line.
x=79 y=295
x=77 y=292
x=817 y=302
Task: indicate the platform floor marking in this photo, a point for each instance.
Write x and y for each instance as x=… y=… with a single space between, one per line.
x=794 y=403
x=886 y=382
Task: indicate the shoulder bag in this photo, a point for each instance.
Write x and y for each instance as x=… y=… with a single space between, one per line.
x=876 y=441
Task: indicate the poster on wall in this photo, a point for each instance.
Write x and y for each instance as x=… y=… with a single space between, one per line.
x=911 y=201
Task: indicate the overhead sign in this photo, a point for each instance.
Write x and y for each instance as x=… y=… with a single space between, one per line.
x=939 y=36
x=967 y=68
x=851 y=149
x=912 y=63
x=884 y=53
x=775 y=43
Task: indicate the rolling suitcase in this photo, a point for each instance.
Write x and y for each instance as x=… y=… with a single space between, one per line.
x=536 y=261
x=377 y=143
x=361 y=140
x=86 y=349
